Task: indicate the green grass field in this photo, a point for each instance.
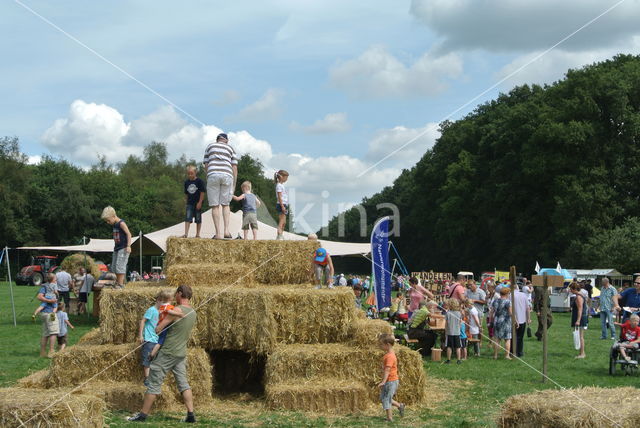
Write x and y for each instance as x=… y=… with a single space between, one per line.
x=474 y=390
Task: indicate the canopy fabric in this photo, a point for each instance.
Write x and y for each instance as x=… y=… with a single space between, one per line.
x=155 y=243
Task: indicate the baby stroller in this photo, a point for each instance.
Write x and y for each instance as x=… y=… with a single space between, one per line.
x=629 y=367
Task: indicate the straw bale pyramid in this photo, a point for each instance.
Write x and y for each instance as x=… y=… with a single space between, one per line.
x=261 y=329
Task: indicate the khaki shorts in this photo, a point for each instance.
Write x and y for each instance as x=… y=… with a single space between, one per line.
x=219 y=189
x=159 y=368
x=119 y=261
x=49 y=327
x=250 y=219
x=322 y=269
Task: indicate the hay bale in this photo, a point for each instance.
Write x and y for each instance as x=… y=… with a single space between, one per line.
x=240 y=318
x=589 y=408
x=334 y=396
x=211 y=274
x=92 y=337
x=287 y=262
x=33 y=408
x=301 y=363
x=129 y=396
x=36 y=380
x=79 y=364
x=365 y=332
x=74 y=262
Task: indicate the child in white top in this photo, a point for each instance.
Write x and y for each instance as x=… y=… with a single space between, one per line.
x=282 y=205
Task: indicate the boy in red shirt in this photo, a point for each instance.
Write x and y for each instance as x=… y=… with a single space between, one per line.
x=630 y=336
x=390 y=380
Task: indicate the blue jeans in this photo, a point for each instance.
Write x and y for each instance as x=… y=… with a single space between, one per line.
x=607 y=316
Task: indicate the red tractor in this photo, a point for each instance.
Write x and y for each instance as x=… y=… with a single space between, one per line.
x=35 y=273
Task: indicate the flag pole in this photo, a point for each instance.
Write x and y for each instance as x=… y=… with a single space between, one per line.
x=13 y=305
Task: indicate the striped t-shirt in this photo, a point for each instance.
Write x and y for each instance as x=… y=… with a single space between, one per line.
x=219 y=158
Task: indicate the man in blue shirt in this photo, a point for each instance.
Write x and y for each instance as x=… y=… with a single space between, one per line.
x=629 y=298
x=50 y=326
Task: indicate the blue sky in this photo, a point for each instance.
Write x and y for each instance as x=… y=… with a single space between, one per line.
x=323 y=89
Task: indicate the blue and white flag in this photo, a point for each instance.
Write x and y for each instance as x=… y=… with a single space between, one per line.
x=380 y=261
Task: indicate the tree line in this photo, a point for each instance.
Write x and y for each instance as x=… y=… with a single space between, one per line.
x=57 y=203
x=542 y=173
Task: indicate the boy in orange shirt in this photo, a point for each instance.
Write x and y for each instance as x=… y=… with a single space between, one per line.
x=164 y=308
x=390 y=381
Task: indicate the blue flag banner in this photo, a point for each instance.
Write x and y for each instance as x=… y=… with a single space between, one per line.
x=380 y=262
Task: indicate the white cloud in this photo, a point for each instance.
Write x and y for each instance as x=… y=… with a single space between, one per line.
x=267 y=107
x=34 y=160
x=410 y=143
x=376 y=73
x=93 y=129
x=554 y=65
x=228 y=97
x=331 y=123
x=516 y=25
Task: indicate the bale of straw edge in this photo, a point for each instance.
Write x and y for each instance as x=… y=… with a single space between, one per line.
x=581 y=407
x=365 y=332
x=277 y=262
x=92 y=337
x=299 y=363
x=89 y=363
x=327 y=395
x=36 y=380
x=240 y=318
x=43 y=408
x=74 y=262
x=129 y=396
x=211 y=274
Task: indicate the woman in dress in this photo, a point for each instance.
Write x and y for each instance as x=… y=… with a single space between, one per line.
x=501 y=310
x=579 y=314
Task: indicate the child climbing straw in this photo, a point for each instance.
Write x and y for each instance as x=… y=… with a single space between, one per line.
x=282 y=206
x=250 y=204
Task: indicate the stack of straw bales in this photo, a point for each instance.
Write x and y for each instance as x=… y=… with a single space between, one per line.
x=320 y=351
x=39 y=408
x=239 y=318
x=301 y=363
x=572 y=408
x=270 y=262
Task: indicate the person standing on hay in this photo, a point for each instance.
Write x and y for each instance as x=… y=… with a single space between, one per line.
x=194 y=190
x=50 y=326
x=250 y=204
x=172 y=357
x=282 y=197
x=122 y=244
x=221 y=164
x=321 y=263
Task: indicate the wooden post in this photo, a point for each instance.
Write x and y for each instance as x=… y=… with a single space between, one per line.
x=512 y=278
x=544 y=314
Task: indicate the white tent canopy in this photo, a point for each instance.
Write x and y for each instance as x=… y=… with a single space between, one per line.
x=158 y=238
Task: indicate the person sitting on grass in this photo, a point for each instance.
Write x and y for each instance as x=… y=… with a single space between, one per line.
x=51 y=294
x=630 y=337
x=164 y=308
x=453 y=321
x=390 y=380
x=250 y=204
x=63 y=319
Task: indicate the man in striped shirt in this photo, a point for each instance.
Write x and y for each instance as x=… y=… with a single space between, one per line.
x=221 y=164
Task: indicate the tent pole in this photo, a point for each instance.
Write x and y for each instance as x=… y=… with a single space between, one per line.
x=140 y=239
x=13 y=305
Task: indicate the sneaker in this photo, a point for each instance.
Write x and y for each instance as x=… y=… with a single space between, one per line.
x=447 y=362
x=190 y=419
x=33 y=318
x=459 y=362
x=331 y=286
x=138 y=417
x=401 y=410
